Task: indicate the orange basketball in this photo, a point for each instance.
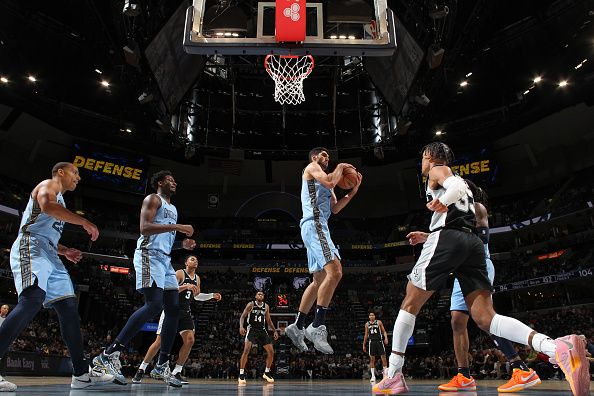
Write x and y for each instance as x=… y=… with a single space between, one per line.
x=349 y=178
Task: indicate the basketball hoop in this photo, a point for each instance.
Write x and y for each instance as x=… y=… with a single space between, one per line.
x=288 y=73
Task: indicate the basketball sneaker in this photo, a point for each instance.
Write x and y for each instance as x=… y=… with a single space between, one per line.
x=110 y=364
x=241 y=380
x=319 y=336
x=458 y=383
x=163 y=372
x=138 y=376
x=6 y=386
x=95 y=377
x=570 y=355
x=390 y=386
x=520 y=380
x=181 y=379
x=268 y=377
x=297 y=336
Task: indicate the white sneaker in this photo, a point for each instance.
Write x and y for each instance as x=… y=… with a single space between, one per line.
x=319 y=335
x=95 y=377
x=6 y=386
x=297 y=336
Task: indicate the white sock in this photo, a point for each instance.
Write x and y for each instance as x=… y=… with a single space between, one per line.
x=396 y=363
x=267 y=370
x=143 y=365
x=372 y=372
x=177 y=369
x=241 y=371
x=544 y=344
x=403 y=329
x=516 y=331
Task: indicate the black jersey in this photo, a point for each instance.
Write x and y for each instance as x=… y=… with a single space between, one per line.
x=186 y=296
x=374 y=331
x=460 y=214
x=257 y=317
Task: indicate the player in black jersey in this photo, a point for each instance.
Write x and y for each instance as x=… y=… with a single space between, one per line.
x=257 y=313
x=453 y=247
x=189 y=286
x=373 y=343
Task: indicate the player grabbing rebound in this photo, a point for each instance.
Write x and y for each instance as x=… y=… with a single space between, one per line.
x=453 y=247
x=374 y=329
x=155 y=279
x=189 y=287
x=40 y=278
x=318 y=201
x=522 y=376
x=257 y=313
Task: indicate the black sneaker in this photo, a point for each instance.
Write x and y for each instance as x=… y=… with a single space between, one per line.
x=241 y=380
x=181 y=379
x=138 y=376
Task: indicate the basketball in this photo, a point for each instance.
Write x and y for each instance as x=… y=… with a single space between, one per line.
x=349 y=178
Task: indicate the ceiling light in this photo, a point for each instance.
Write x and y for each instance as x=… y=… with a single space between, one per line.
x=578 y=66
x=537 y=79
x=98 y=71
x=334 y=37
x=220 y=33
x=352 y=37
x=563 y=83
x=32 y=78
x=464 y=83
x=4 y=80
x=438 y=133
x=228 y=34
x=105 y=83
x=469 y=74
x=342 y=36
x=526 y=92
x=128 y=130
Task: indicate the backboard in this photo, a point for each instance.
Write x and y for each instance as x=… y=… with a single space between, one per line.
x=248 y=27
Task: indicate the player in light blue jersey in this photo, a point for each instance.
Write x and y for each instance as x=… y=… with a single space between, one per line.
x=40 y=277
x=155 y=279
x=318 y=202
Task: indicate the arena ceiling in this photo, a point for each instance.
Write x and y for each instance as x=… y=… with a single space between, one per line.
x=74 y=48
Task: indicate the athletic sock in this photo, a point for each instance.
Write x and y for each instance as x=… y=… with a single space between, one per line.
x=516 y=331
x=465 y=371
x=143 y=366
x=267 y=370
x=177 y=369
x=403 y=329
x=300 y=320
x=372 y=372
x=320 y=318
x=241 y=371
x=519 y=364
x=543 y=343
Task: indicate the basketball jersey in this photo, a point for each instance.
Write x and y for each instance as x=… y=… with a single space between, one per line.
x=37 y=223
x=186 y=296
x=166 y=214
x=315 y=201
x=460 y=214
x=257 y=317
x=374 y=331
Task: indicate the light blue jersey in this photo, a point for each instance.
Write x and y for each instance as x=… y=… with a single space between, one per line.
x=39 y=224
x=315 y=201
x=315 y=204
x=166 y=214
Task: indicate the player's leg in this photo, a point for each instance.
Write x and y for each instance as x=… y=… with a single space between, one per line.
x=372 y=365
x=247 y=346
x=170 y=323
x=269 y=359
x=150 y=354
x=188 y=340
x=296 y=331
x=333 y=270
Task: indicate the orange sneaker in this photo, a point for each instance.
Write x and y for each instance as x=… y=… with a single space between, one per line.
x=458 y=383
x=520 y=380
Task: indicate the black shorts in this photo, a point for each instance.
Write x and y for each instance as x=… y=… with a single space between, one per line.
x=258 y=336
x=376 y=348
x=452 y=251
x=186 y=322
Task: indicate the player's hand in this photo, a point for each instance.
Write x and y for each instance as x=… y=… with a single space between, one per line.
x=437 y=206
x=385 y=341
x=194 y=289
x=186 y=229
x=417 y=237
x=242 y=331
x=188 y=244
x=73 y=255
x=275 y=335
x=217 y=296
x=364 y=348
x=359 y=180
x=91 y=229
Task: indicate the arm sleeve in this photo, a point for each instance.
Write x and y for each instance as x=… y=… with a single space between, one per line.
x=204 y=296
x=455 y=189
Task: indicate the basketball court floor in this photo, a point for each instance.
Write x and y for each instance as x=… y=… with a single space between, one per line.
x=40 y=386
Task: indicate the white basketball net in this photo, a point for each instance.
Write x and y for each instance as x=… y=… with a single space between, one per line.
x=288 y=73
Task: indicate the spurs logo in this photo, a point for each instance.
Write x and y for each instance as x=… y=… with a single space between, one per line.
x=293 y=12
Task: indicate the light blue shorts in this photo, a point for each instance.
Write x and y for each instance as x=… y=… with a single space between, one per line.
x=34 y=260
x=319 y=245
x=457 y=302
x=153 y=267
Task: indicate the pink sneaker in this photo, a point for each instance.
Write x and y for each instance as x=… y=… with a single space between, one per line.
x=390 y=386
x=570 y=355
